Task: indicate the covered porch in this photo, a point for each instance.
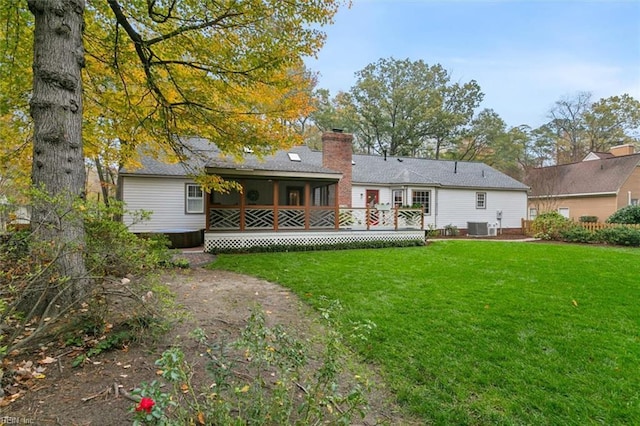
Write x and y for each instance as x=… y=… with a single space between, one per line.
x=288 y=211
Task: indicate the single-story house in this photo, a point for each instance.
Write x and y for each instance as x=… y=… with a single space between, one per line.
x=333 y=194
x=597 y=186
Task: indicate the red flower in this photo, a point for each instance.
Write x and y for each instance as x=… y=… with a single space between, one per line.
x=145 y=405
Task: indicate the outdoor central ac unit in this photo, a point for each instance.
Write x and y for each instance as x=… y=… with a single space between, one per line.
x=492 y=231
x=477 y=228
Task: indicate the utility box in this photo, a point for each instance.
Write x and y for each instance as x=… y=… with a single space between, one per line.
x=477 y=228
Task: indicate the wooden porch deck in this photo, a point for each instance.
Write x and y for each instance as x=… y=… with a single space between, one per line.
x=237 y=228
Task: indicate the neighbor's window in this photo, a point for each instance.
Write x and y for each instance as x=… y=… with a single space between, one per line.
x=634 y=201
x=533 y=213
x=423 y=198
x=564 y=211
x=398 y=199
x=481 y=200
x=194 y=199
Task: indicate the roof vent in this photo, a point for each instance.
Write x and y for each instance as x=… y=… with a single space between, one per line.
x=293 y=156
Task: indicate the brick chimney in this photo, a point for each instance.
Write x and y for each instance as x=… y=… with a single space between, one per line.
x=337 y=154
x=620 y=150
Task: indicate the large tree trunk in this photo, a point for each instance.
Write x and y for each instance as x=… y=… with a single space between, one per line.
x=58 y=159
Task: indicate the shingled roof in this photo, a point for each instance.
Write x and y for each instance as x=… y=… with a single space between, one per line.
x=367 y=169
x=199 y=152
x=604 y=176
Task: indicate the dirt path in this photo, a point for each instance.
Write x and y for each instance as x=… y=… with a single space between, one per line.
x=217 y=301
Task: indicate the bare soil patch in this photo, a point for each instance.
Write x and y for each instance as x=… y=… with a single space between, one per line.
x=218 y=302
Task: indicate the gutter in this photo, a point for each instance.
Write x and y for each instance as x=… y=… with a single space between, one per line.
x=584 y=194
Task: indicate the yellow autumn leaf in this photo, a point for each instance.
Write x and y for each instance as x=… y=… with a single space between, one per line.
x=574 y=303
x=201 y=419
x=245 y=389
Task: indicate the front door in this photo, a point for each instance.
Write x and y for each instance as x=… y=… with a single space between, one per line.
x=373 y=197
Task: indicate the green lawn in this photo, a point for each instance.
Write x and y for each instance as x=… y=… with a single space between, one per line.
x=476 y=332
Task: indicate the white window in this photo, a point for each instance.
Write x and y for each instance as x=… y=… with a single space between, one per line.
x=634 y=201
x=194 y=199
x=422 y=198
x=564 y=211
x=533 y=213
x=481 y=200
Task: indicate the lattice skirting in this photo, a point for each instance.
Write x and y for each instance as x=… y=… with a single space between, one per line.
x=242 y=240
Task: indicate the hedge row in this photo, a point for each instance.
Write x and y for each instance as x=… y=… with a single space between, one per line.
x=315 y=247
x=619 y=236
x=554 y=226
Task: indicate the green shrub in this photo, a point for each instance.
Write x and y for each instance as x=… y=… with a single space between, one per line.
x=114 y=250
x=578 y=234
x=15 y=245
x=320 y=246
x=451 y=230
x=111 y=253
x=265 y=377
x=550 y=225
x=620 y=235
x=589 y=219
x=626 y=215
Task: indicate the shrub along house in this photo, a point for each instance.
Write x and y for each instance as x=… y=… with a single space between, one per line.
x=597 y=186
x=304 y=197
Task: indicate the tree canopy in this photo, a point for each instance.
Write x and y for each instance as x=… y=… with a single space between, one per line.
x=579 y=125
x=403 y=107
x=101 y=80
x=156 y=71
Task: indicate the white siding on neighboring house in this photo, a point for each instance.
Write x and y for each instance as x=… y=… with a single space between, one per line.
x=458 y=206
x=165 y=198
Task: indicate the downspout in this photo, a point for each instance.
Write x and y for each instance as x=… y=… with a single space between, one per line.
x=435 y=208
x=629 y=198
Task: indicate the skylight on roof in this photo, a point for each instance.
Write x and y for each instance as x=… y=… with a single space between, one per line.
x=293 y=156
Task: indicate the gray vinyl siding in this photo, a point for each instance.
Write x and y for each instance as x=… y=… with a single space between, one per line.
x=165 y=198
x=458 y=206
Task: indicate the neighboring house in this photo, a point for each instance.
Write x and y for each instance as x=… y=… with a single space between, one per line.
x=597 y=186
x=321 y=192
x=13 y=216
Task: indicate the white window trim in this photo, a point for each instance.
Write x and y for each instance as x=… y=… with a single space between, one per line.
x=393 y=196
x=427 y=209
x=187 y=198
x=484 y=201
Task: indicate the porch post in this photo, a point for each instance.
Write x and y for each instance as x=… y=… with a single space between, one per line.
x=336 y=205
x=368 y=217
x=395 y=218
x=243 y=184
x=207 y=207
x=307 y=205
x=276 y=197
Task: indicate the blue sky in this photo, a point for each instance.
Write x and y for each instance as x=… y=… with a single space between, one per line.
x=525 y=55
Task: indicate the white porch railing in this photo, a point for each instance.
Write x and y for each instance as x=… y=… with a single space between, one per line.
x=255 y=218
